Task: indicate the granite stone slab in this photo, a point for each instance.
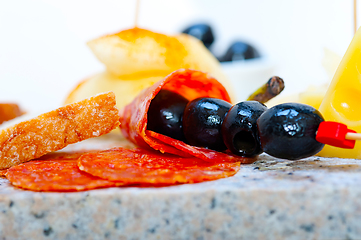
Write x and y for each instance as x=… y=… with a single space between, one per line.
x=314 y=198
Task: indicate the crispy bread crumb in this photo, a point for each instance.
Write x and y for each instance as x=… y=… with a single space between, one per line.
x=55 y=130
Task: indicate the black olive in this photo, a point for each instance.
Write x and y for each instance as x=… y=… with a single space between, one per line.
x=165 y=114
x=288 y=131
x=202 y=122
x=240 y=51
x=201 y=31
x=239 y=128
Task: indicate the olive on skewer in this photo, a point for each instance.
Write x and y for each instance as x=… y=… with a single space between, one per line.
x=247 y=129
x=202 y=122
x=288 y=131
x=165 y=114
x=239 y=128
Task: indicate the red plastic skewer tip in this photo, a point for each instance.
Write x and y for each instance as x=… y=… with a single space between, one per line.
x=334 y=134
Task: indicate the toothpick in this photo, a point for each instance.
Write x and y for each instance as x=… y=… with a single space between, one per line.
x=353 y=136
x=136 y=15
x=355 y=15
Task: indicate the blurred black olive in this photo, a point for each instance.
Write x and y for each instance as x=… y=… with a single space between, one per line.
x=240 y=51
x=201 y=31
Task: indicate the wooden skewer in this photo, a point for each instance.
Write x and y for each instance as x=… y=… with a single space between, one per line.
x=136 y=15
x=353 y=136
x=355 y=15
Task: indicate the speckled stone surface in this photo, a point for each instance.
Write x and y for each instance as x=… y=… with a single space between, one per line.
x=315 y=198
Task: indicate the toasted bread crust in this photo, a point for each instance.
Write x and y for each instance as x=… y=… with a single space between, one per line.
x=54 y=130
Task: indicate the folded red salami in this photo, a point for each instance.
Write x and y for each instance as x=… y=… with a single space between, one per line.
x=191 y=84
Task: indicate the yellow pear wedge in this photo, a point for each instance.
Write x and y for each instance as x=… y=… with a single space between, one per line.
x=137 y=58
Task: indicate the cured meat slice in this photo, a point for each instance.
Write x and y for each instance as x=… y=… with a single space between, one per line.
x=3 y=172
x=59 y=173
x=149 y=167
x=189 y=83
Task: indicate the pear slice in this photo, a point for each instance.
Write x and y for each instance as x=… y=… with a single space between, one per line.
x=137 y=58
x=138 y=50
x=125 y=90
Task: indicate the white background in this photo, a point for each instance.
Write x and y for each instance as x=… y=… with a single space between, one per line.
x=43 y=52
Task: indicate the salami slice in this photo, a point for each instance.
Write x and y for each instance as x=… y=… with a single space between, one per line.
x=189 y=83
x=59 y=173
x=149 y=167
x=3 y=172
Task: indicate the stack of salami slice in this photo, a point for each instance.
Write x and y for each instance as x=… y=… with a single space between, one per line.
x=157 y=161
